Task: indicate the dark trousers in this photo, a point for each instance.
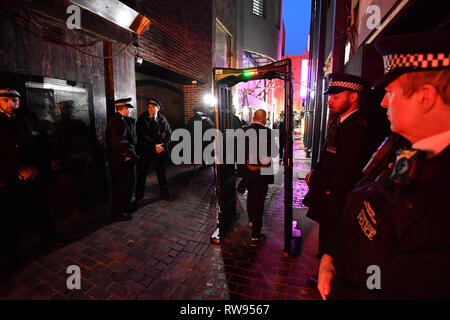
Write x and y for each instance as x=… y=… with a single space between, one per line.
x=9 y=232
x=19 y=203
x=123 y=179
x=257 y=192
x=330 y=216
x=142 y=171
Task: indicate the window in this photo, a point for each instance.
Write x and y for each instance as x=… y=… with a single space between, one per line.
x=259 y=7
x=223 y=47
x=278 y=13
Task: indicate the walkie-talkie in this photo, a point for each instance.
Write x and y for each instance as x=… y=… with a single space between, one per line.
x=382 y=161
x=406 y=164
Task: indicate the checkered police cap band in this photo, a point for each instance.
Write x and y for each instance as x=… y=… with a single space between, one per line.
x=419 y=61
x=349 y=85
x=9 y=93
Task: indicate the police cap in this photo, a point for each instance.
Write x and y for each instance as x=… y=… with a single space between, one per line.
x=124 y=102
x=9 y=93
x=342 y=81
x=153 y=100
x=404 y=53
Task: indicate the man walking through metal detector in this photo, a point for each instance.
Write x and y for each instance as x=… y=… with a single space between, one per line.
x=349 y=144
x=257 y=181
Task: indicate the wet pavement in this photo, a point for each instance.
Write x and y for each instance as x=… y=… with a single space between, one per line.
x=165 y=251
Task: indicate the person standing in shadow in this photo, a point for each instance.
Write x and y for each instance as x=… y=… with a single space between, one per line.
x=122 y=158
x=24 y=177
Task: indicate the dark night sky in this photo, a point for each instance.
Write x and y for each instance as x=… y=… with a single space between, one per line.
x=296 y=16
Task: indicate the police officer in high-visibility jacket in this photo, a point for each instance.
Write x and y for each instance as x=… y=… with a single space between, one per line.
x=394 y=241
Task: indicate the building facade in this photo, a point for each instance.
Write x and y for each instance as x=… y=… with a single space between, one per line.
x=89 y=66
x=261 y=42
x=81 y=58
x=342 y=36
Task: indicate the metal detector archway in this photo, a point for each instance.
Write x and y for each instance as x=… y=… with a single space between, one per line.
x=224 y=79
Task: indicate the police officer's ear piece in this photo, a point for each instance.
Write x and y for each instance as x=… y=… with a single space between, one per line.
x=406 y=164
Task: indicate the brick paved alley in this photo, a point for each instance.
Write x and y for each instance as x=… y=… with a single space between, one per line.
x=164 y=252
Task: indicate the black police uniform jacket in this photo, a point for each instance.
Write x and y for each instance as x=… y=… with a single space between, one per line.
x=243 y=170
x=121 y=139
x=23 y=142
x=401 y=227
x=336 y=173
x=150 y=133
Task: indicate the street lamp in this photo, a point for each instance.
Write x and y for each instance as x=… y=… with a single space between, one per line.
x=210 y=100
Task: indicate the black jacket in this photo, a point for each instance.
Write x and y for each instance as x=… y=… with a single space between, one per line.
x=23 y=142
x=336 y=173
x=253 y=157
x=150 y=133
x=120 y=138
x=403 y=229
x=236 y=122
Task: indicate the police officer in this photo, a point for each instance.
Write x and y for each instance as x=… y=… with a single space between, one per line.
x=349 y=144
x=395 y=229
x=122 y=159
x=24 y=175
x=153 y=141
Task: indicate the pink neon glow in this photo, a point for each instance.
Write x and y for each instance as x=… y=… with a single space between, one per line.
x=304 y=78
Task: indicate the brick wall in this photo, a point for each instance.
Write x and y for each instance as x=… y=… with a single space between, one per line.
x=180 y=39
x=193 y=98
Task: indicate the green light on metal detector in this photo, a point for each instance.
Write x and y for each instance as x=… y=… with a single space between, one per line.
x=248 y=74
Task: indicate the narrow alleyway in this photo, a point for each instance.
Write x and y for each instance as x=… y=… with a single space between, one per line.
x=165 y=252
